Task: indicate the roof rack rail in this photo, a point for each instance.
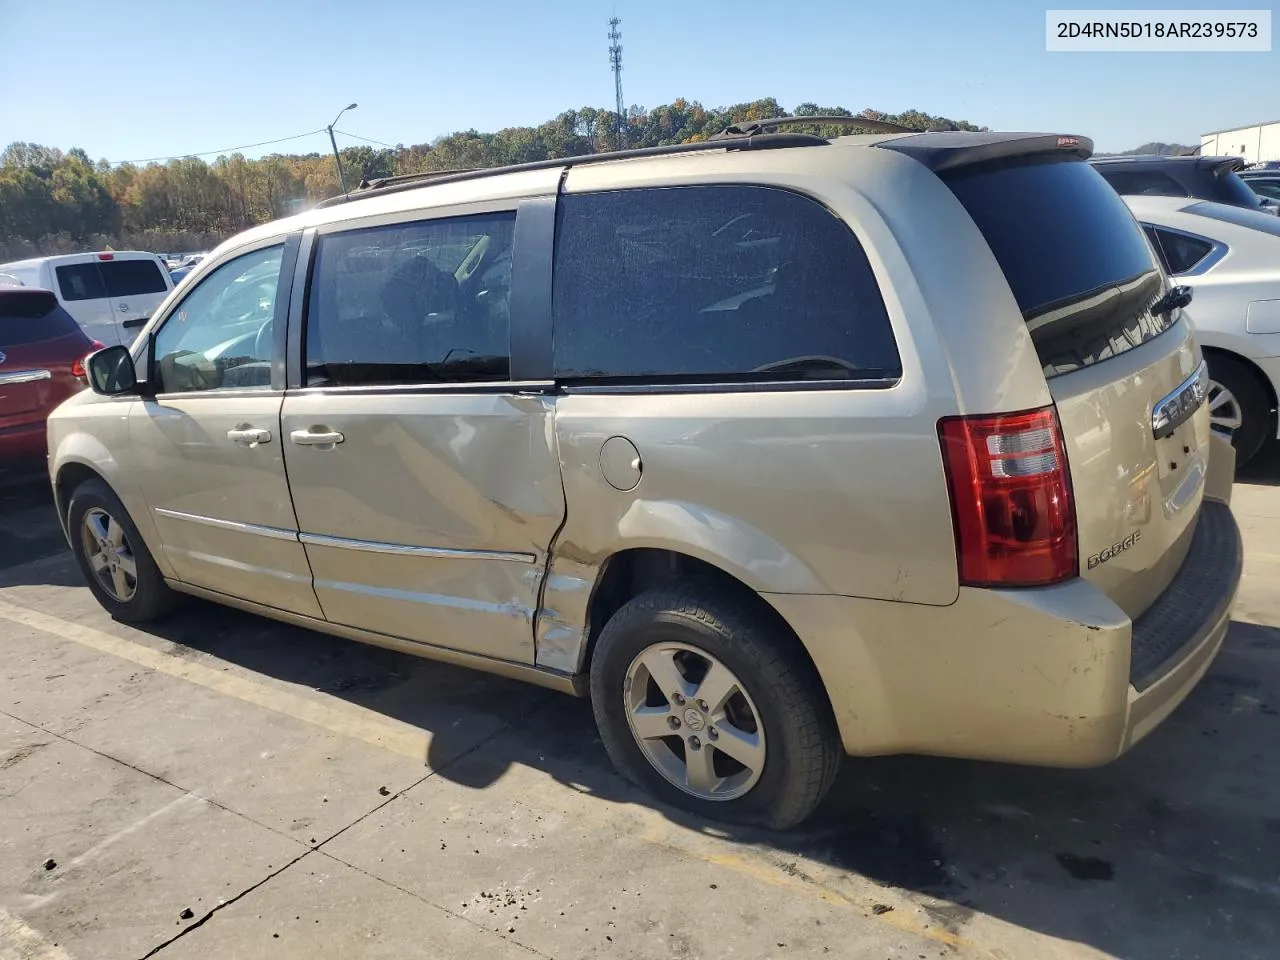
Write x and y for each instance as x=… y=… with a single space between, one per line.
x=760 y=141
x=378 y=183
x=752 y=128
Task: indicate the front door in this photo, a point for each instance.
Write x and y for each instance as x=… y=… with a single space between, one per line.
x=426 y=484
x=209 y=442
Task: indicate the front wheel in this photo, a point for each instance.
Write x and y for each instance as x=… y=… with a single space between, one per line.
x=708 y=705
x=115 y=562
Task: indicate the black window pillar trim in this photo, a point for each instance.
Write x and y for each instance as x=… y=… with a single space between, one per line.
x=285 y=288
x=530 y=298
x=300 y=273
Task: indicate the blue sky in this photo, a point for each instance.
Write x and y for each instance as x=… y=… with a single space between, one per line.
x=127 y=80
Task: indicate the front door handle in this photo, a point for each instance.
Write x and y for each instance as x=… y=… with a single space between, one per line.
x=316 y=437
x=252 y=436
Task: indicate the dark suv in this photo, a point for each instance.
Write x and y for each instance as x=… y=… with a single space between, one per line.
x=1205 y=178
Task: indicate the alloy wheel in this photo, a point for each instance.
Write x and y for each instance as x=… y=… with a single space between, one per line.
x=1225 y=413
x=694 y=721
x=109 y=554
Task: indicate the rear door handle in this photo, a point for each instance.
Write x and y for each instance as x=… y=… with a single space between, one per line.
x=316 y=438
x=251 y=436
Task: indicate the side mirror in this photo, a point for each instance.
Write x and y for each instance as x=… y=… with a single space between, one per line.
x=111 y=371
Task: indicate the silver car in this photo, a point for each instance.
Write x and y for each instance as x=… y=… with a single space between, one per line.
x=779 y=448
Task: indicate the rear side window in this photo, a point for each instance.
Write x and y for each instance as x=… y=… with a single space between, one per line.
x=132 y=278
x=1181 y=252
x=32 y=317
x=1076 y=261
x=412 y=303
x=1143 y=183
x=80 y=281
x=714 y=282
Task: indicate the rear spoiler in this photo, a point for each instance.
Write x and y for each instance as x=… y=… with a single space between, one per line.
x=1221 y=165
x=950 y=150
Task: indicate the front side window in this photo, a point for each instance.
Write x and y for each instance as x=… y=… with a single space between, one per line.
x=220 y=335
x=412 y=303
x=718 y=283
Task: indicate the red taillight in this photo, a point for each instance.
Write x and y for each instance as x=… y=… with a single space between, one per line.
x=77 y=365
x=106 y=256
x=1011 y=500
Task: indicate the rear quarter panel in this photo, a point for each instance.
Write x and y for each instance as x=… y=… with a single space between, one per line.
x=837 y=492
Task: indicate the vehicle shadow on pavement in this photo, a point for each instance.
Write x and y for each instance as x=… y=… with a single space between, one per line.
x=1173 y=847
x=1170 y=851
x=1263 y=468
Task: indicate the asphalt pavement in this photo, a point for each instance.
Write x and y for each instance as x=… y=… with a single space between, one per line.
x=226 y=787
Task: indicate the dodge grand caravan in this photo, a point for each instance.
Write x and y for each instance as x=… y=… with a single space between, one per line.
x=777 y=447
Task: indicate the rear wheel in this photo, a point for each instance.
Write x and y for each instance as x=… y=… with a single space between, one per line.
x=1238 y=405
x=708 y=706
x=115 y=562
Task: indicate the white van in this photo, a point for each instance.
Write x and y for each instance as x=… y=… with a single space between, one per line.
x=111 y=294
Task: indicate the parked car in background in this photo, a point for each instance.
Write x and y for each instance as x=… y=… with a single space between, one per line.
x=1265 y=183
x=1204 y=178
x=177 y=274
x=778 y=447
x=111 y=294
x=1230 y=257
x=42 y=351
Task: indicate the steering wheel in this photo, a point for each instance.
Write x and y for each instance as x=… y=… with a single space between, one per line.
x=262 y=345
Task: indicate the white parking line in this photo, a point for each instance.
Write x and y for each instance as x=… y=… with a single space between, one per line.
x=336 y=716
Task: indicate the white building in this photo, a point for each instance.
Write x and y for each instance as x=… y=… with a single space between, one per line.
x=1257 y=143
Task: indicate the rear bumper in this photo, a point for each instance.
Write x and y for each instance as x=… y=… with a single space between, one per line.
x=1055 y=676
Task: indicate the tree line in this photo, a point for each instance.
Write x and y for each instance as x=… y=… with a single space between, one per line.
x=56 y=202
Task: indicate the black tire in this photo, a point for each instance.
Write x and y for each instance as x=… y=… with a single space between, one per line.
x=1252 y=398
x=803 y=749
x=151 y=598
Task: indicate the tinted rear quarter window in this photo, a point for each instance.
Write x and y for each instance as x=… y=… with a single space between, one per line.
x=32 y=317
x=714 y=283
x=132 y=278
x=1182 y=252
x=1075 y=259
x=80 y=281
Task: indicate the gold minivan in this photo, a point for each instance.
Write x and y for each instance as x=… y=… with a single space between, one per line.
x=777 y=447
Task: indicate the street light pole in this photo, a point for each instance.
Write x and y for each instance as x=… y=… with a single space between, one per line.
x=342 y=181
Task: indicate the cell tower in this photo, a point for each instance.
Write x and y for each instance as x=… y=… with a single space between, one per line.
x=615 y=63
